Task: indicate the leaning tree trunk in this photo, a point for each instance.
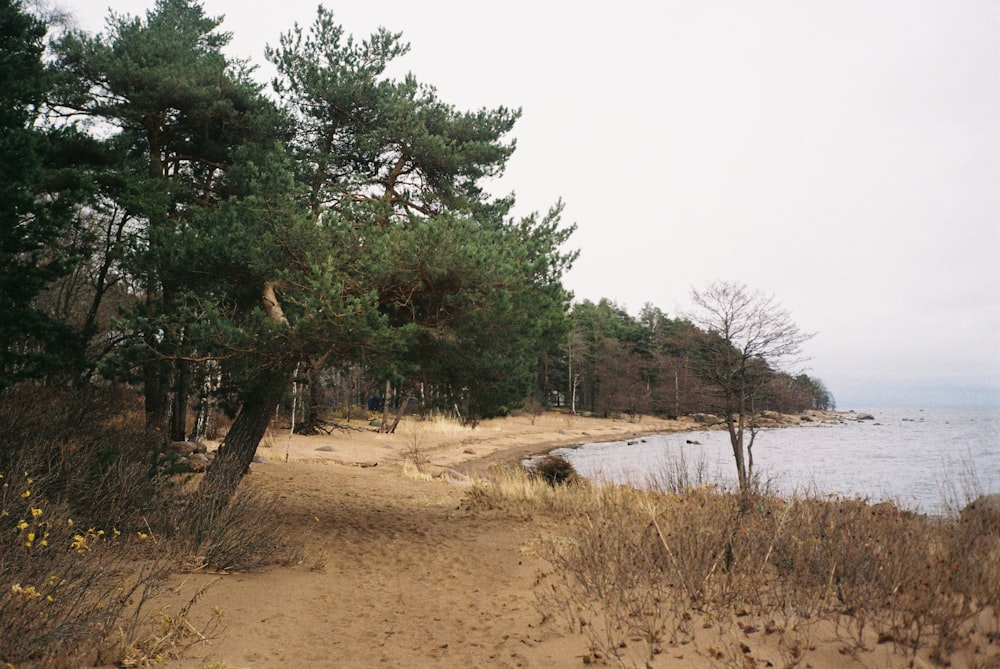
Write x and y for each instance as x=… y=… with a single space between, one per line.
x=401 y=396
x=232 y=460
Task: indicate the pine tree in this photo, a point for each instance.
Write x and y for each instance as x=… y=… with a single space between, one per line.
x=183 y=115
x=41 y=186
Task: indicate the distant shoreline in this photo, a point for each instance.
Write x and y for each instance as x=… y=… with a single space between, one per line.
x=480 y=466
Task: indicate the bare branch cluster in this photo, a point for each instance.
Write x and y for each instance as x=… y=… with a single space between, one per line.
x=750 y=321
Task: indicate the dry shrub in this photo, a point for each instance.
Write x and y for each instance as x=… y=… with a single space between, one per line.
x=609 y=580
x=533 y=407
x=166 y=638
x=678 y=474
x=633 y=569
x=640 y=566
x=554 y=469
x=88 y=448
x=414 y=449
x=77 y=481
x=886 y=574
x=89 y=528
x=216 y=533
x=976 y=545
x=65 y=586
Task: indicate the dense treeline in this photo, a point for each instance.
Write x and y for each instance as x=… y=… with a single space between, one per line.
x=614 y=364
x=169 y=224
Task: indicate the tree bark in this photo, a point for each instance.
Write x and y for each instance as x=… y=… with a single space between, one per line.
x=312 y=403
x=155 y=394
x=232 y=461
x=385 y=407
x=204 y=421
x=736 y=439
x=399 y=411
x=179 y=402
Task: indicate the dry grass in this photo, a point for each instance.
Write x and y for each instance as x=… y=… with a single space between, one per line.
x=65 y=585
x=161 y=639
x=515 y=491
x=414 y=438
x=640 y=571
x=220 y=534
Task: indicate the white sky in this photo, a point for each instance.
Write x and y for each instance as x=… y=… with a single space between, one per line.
x=843 y=155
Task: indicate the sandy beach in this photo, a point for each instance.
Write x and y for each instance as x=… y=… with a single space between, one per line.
x=395 y=570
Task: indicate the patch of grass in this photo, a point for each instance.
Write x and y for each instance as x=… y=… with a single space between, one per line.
x=214 y=533
x=516 y=491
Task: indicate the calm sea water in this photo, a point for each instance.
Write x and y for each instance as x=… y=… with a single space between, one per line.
x=922 y=459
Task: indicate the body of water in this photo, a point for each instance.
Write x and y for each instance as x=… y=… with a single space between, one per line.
x=922 y=459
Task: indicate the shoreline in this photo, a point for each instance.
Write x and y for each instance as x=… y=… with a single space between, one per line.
x=480 y=465
x=441 y=445
x=442 y=448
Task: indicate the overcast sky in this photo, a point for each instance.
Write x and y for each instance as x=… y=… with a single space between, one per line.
x=841 y=155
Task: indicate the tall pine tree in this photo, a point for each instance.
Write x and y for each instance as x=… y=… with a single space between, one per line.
x=42 y=182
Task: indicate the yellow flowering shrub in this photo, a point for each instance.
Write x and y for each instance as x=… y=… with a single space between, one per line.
x=60 y=586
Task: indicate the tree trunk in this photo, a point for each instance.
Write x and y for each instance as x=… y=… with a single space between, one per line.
x=179 y=402
x=312 y=402
x=232 y=461
x=385 y=407
x=735 y=426
x=155 y=394
x=399 y=412
x=204 y=421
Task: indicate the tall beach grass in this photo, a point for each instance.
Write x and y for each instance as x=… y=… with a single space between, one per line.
x=757 y=579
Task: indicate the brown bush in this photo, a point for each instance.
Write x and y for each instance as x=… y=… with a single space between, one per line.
x=87 y=448
x=554 y=469
x=636 y=569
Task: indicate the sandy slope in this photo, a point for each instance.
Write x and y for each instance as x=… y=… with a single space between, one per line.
x=394 y=571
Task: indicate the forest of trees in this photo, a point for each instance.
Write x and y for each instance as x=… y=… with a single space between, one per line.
x=654 y=364
x=172 y=225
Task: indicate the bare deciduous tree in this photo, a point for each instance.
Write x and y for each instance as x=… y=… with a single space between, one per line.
x=748 y=335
